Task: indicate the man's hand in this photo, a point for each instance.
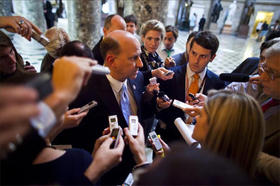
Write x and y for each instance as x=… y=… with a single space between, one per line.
x=255 y=80
x=69 y=74
x=20 y=25
x=72 y=118
x=29 y=68
x=169 y=62
x=160 y=73
x=17 y=106
x=161 y=104
x=104 y=158
x=137 y=145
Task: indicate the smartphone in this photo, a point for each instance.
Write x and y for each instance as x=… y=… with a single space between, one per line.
x=27 y=63
x=133 y=125
x=153 y=80
x=113 y=122
x=193 y=97
x=163 y=96
x=115 y=135
x=42 y=84
x=88 y=106
x=40 y=38
x=153 y=136
x=168 y=73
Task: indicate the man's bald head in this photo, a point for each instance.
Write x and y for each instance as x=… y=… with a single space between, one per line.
x=112 y=23
x=115 y=41
x=121 y=51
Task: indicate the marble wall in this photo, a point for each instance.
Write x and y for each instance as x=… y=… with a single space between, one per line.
x=5 y=8
x=84 y=20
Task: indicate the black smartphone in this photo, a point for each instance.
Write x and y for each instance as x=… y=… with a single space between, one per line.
x=41 y=83
x=115 y=135
x=163 y=96
x=193 y=97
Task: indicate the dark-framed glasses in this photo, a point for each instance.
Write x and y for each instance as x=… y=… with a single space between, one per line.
x=271 y=73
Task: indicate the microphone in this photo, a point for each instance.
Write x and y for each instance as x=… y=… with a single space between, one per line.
x=234 y=77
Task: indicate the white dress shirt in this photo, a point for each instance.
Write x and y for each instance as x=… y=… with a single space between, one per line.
x=116 y=86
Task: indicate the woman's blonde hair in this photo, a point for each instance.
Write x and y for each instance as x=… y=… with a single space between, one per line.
x=236 y=127
x=153 y=25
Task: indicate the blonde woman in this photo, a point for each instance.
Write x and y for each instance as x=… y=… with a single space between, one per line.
x=232 y=125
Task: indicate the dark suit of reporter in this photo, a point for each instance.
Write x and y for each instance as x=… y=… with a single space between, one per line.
x=203 y=49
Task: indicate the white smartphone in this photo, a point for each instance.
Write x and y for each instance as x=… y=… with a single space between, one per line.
x=153 y=136
x=88 y=106
x=133 y=125
x=181 y=105
x=153 y=80
x=113 y=122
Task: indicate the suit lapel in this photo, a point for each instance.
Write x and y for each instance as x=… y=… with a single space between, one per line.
x=107 y=95
x=208 y=83
x=181 y=83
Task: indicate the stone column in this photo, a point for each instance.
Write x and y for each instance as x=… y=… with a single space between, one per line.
x=32 y=10
x=84 y=20
x=146 y=9
x=128 y=7
x=6 y=8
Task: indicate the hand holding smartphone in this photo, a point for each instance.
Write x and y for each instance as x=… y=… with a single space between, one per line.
x=133 y=125
x=153 y=136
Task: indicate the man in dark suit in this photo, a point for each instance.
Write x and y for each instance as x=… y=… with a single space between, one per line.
x=112 y=22
x=193 y=78
x=182 y=58
x=121 y=51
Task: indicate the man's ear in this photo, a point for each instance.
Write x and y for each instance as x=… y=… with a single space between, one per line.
x=109 y=60
x=212 y=58
x=104 y=31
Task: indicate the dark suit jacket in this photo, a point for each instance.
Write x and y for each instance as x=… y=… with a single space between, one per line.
x=97 y=53
x=180 y=59
x=91 y=127
x=248 y=66
x=175 y=89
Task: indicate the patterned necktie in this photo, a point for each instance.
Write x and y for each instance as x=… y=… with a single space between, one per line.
x=194 y=85
x=124 y=102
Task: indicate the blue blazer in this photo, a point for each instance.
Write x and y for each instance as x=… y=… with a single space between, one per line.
x=248 y=66
x=180 y=59
x=91 y=127
x=175 y=89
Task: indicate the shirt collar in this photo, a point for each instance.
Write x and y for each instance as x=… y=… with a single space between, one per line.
x=190 y=73
x=116 y=84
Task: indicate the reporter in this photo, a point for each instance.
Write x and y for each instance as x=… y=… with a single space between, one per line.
x=217 y=126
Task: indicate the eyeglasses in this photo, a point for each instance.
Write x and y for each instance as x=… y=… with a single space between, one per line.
x=271 y=74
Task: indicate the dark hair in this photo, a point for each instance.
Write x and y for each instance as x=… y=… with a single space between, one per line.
x=207 y=40
x=76 y=48
x=109 y=44
x=267 y=44
x=272 y=35
x=130 y=19
x=107 y=22
x=191 y=35
x=186 y=166
x=172 y=29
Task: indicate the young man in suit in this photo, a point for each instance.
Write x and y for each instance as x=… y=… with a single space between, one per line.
x=112 y=22
x=191 y=78
x=121 y=52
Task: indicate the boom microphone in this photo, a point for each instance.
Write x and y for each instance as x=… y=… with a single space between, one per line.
x=234 y=77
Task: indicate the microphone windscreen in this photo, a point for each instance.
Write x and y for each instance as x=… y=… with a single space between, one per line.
x=234 y=77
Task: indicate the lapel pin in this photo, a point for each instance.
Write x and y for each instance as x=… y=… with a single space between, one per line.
x=134 y=87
